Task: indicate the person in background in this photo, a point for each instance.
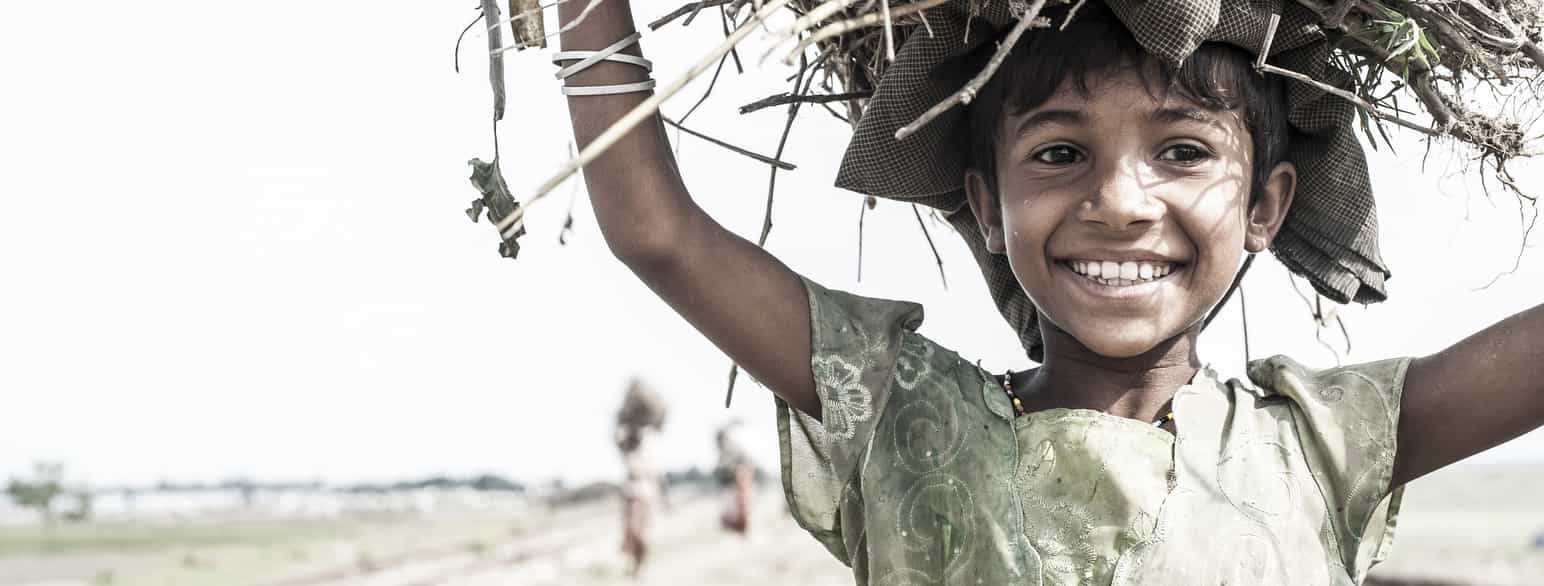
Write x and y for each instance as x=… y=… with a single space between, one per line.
x=735 y=473
x=639 y=422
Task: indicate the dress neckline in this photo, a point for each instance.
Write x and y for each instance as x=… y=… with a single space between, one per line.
x=1023 y=420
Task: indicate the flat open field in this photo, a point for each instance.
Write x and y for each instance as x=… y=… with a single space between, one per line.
x=1462 y=526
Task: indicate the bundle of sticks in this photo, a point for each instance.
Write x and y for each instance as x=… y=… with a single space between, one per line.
x=1442 y=53
x=641 y=407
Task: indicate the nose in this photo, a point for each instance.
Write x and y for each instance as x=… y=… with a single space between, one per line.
x=1121 y=199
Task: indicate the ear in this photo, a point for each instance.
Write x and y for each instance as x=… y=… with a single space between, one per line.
x=1269 y=210
x=989 y=213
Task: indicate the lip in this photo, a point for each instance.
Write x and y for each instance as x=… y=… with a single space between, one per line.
x=1126 y=293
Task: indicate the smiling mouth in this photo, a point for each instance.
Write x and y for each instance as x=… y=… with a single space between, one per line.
x=1121 y=274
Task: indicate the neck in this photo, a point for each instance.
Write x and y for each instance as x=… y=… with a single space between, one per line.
x=1137 y=387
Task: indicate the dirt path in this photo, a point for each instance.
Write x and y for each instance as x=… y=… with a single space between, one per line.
x=583 y=549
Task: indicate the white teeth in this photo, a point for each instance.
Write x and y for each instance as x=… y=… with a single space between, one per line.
x=1128 y=271
x=1120 y=274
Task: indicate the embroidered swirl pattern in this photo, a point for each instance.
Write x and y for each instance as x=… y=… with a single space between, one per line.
x=928 y=432
x=936 y=520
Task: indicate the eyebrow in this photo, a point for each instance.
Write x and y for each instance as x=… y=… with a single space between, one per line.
x=1044 y=117
x=1181 y=115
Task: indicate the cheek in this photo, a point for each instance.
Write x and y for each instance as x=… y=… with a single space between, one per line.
x=1028 y=222
x=1214 y=215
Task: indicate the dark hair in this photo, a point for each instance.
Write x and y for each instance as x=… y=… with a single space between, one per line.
x=1216 y=76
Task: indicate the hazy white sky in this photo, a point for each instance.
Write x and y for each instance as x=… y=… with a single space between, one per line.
x=233 y=244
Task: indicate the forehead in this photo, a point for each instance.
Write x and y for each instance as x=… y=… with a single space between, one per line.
x=1123 y=94
x=1124 y=91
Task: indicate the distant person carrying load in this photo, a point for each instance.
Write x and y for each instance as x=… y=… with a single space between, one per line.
x=638 y=424
x=734 y=473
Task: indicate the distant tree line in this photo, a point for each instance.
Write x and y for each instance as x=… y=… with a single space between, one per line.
x=485 y=482
x=41 y=492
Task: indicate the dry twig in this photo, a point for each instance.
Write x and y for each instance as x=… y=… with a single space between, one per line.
x=865 y=21
x=786 y=98
x=929 y=237
x=688 y=8
x=868 y=204
x=761 y=158
x=1030 y=18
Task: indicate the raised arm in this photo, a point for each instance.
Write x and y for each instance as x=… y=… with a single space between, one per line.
x=1472 y=396
x=743 y=299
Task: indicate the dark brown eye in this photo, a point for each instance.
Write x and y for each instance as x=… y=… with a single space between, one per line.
x=1058 y=155
x=1184 y=153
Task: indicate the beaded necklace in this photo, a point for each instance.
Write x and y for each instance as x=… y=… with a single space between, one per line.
x=1018 y=406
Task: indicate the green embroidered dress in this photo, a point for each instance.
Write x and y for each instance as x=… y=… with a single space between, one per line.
x=920 y=474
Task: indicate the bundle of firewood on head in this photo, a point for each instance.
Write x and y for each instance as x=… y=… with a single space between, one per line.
x=1437 y=52
x=641 y=407
x=905 y=73
x=1469 y=66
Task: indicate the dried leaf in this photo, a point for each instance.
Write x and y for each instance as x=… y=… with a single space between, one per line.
x=498 y=202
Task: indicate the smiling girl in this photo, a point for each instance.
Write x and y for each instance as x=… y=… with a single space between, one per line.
x=1111 y=180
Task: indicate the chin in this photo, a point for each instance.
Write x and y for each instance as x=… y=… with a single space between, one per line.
x=1127 y=342
x=1121 y=349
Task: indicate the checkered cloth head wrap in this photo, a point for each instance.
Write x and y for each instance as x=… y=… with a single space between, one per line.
x=1330 y=235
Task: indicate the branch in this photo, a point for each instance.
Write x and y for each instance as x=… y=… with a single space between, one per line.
x=884 y=12
x=688 y=8
x=723 y=14
x=712 y=83
x=1261 y=65
x=457 y=64
x=1030 y=18
x=815 y=15
x=1449 y=35
x=868 y=203
x=762 y=158
x=1354 y=99
x=787 y=98
x=930 y=246
x=734 y=372
x=793 y=112
x=867 y=20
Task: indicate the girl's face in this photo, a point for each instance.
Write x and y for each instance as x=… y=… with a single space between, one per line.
x=1123 y=215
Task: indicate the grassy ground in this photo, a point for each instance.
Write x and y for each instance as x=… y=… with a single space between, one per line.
x=1458 y=527
x=577 y=545
x=248 y=552
x=1468 y=526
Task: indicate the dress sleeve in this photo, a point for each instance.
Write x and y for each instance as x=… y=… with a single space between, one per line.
x=854 y=343
x=1348 y=420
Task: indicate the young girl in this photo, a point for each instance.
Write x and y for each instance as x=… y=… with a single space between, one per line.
x=1110 y=179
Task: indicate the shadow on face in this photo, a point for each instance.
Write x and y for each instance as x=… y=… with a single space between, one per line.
x=1124 y=211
